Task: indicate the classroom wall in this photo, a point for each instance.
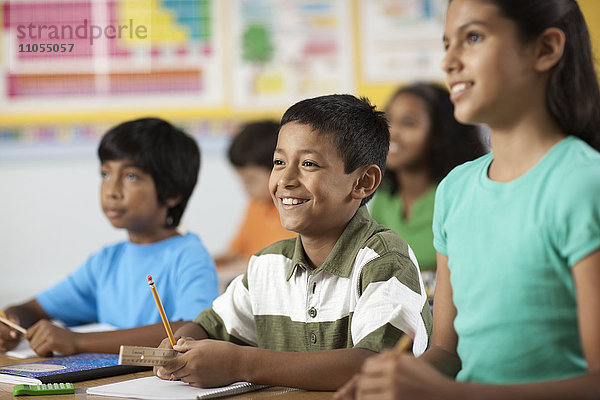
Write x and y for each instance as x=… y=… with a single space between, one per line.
x=50 y=218
x=51 y=215
x=52 y=221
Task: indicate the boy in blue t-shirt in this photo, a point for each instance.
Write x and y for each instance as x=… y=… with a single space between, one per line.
x=149 y=169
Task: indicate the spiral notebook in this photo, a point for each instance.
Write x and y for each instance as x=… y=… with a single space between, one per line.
x=153 y=388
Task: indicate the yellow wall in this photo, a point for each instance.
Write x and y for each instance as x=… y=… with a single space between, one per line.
x=591 y=10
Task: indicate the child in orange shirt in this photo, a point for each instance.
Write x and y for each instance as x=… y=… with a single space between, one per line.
x=251 y=153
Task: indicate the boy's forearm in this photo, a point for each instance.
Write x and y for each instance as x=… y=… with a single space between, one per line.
x=190 y=329
x=110 y=342
x=320 y=370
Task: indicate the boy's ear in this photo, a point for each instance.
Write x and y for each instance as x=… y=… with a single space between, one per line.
x=550 y=48
x=367 y=182
x=171 y=202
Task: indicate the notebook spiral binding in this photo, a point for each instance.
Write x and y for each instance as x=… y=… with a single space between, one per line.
x=231 y=391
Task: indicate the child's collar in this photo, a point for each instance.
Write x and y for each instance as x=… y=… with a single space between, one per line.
x=340 y=260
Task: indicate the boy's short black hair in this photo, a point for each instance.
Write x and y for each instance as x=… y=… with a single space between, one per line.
x=358 y=131
x=167 y=153
x=254 y=145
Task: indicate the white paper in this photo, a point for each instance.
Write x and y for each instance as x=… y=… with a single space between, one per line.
x=23 y=350
x=19 y=380
x=154 y=388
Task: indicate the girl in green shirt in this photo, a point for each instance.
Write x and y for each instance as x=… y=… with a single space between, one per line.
x=426 y=142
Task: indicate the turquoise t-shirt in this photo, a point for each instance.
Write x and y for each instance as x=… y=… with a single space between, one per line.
x=387 y=209
x=510 y=249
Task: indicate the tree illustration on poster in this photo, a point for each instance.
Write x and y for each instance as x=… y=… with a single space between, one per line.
x=257 y=46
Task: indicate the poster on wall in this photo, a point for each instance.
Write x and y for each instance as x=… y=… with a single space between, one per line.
x=288 y=50
x=401 y=40
x=102 y=55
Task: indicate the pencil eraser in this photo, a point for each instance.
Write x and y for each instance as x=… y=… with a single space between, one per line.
x=149 y=278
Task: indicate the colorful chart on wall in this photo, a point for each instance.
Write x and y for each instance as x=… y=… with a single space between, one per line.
x=288 y=50
x=74 y=139
x=401 y=40
x=109 y=54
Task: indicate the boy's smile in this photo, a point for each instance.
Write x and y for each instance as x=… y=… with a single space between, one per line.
x=288 y=201
x=308 y=184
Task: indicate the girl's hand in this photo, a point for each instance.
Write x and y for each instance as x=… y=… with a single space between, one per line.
x=204 y=363
x=389 y=376
x=348 y=391
x=45 y=337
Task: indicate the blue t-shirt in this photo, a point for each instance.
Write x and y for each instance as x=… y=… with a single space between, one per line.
x=510 y=249
x=112 y=287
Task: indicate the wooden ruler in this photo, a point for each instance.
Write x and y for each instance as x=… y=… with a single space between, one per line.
x=146 y=356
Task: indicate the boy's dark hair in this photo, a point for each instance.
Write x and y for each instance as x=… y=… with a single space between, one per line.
x=168 y=154
x=450 y=142
x=573 y=93
x=254 y=145
x=358 y=131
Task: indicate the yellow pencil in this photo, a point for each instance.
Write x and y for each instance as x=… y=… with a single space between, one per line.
x=13 y=325
x=3 y=315
x=403 y=345
x=161 y=310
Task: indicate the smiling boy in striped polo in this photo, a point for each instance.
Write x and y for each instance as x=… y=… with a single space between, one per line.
x=311 y=309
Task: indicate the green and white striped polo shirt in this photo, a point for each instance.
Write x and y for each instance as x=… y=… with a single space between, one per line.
x=366 y=293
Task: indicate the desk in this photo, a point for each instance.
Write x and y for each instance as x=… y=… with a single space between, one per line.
x=80 y=387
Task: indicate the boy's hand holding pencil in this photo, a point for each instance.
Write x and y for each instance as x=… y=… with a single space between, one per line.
x=9 y=333
x=4 y=319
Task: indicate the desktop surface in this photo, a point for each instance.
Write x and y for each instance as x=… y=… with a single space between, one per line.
x=80 y=388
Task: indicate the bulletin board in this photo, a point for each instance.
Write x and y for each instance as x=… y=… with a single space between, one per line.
x=69 y=69
x=66 y=57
